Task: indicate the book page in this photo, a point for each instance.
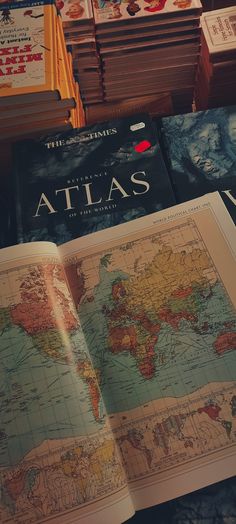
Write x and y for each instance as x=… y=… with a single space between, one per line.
x=156 y=299
x=58 y=458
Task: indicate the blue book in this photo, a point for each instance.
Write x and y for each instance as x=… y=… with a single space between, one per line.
x=200 y=150
x=73 y=183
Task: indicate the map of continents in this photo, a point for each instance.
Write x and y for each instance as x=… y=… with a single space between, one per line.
x=160 y=327
x=56 y=449
x=48 y=387
x=156 y=316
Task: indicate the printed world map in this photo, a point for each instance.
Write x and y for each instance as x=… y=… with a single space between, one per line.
x=51 y=405
x=160 y=328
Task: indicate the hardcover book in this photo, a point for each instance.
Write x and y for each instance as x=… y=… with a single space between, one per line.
x=118 y=367
x=200 y=151
x=73 y=183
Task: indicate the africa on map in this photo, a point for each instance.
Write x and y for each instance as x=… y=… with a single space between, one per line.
x=160 y=328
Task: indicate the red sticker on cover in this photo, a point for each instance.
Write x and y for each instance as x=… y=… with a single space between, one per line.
x=142 y=146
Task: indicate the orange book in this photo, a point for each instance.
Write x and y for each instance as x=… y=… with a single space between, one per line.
x=28 y=50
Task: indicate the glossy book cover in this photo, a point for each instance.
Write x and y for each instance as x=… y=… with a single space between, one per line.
x=200 y=151
x=70 y=184
x=111 y=11
x=27 y=47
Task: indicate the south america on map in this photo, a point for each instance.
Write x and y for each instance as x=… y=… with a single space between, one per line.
x=56 y=448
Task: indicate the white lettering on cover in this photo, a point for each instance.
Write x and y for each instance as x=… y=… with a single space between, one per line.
x=140 y=182
x=44 y=202
x=228 y=194
x=88 y=194
x=118 y=187
x=67 y=195
x=89 y=197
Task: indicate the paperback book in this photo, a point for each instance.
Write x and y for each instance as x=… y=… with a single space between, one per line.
x=200 y=151
x=71 y=184
x=118 y=367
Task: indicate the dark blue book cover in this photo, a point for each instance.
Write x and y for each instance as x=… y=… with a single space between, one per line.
x=73 y=183
x=200 y=151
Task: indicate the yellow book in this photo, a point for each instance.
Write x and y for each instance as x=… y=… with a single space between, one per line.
x=28 y=50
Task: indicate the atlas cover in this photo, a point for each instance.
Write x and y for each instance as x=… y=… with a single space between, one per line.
x=27 y=48
x=219 y=29
x=73 y=183
x=121 y=10
x=201 y=154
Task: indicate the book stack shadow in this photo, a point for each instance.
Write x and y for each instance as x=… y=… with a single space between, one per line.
x=38 y=91
x=216 y=77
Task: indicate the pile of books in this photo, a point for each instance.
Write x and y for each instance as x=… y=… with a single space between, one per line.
x=133 y=50
x=37 y=90
x=216 y=78
x=148 y=48
x=79 y=31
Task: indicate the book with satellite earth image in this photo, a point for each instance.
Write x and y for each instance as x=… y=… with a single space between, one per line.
x=200 y=150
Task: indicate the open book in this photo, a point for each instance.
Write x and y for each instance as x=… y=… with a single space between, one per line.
x=118 y=367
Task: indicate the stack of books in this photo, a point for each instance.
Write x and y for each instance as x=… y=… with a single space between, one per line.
x=118 y=45
x=216 y=78
x=79 y=30
x=147 y=48
x=37 y=90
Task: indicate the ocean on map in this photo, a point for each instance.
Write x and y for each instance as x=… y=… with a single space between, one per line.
x=185 y=358
x=40 y=398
